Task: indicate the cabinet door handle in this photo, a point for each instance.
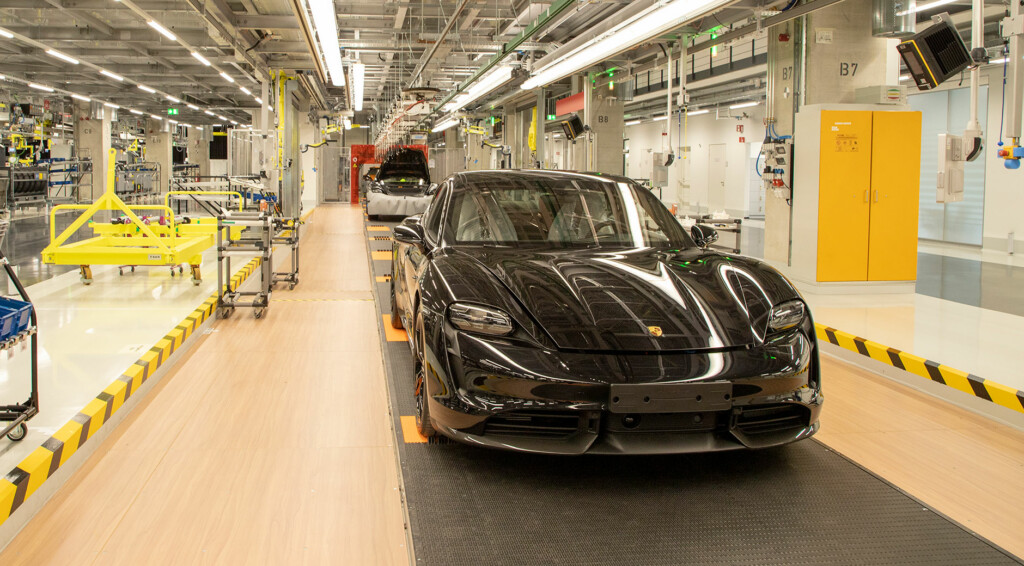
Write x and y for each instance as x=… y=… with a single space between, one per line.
x=876 y=195
x=866 y=192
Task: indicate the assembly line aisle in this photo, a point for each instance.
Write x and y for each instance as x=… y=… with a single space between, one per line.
x=268 y=444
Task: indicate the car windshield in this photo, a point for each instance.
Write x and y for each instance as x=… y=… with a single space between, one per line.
x=561 y=211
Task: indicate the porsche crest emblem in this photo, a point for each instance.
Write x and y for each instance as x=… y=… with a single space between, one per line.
x=654 y=331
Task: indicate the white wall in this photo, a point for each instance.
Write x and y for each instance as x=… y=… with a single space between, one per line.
x=1004 y=188
x=688 y=177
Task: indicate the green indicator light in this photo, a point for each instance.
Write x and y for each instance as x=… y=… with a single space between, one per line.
x=551 y=116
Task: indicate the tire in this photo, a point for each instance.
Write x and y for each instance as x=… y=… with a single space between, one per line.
x=18 y=434
x=424 y=424
x=396 y=319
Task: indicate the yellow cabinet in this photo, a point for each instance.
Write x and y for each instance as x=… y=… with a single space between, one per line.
x=868 y=190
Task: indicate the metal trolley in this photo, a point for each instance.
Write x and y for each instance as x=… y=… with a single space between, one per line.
x=286 y=232
x=18 y=324
x=256 y=236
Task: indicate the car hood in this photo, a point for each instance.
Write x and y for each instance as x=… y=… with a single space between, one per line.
x=642 y=300
x=405 y=162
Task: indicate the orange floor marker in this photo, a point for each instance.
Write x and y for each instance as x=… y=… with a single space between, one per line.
x=410 y=433
x=393 y=334
x=381 y=255
x=378 y=229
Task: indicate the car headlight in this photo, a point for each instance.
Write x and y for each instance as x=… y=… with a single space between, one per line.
x=484 y=320
x=376 y=188
x=786 y=315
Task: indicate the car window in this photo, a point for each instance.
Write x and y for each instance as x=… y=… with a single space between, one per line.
x=432 y=216
x=562 y=212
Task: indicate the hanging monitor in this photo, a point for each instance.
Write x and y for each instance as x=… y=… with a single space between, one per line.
x=935 y=54
x=572 y=127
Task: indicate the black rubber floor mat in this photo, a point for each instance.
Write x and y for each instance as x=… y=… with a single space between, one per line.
x=801 y=504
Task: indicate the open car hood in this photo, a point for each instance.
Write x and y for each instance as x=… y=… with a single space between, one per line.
x=642 y=300
x=405 y=163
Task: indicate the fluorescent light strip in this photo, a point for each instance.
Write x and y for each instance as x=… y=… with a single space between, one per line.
x=904 y=77
x=245 y=90
x=134 y=111
x=193 y=107
x=358 y=82
x=222 y=117
x=107 y=73
x=110 y=105
x=155 y=117
x=147 y=89
x=201 y=59
x=633 y=122
x=200 y=128
x=442 y=126
x=325 y=20
x=923 y=7
x=208 y=113
x=697 y=112
x=258 y=100
x=43 y=88
x=172 y=99
x=652 y=24
x=660 y=118
x=82 y=98
x=163 y=31
x=743 y=105
x=61 y=56
x=479 y=89
x=7 y=34
x=227 y=77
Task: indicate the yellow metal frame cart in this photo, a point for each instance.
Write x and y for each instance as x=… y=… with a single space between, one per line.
x=134 y=241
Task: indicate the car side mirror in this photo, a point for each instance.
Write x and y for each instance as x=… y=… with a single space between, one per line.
x=410 y=231
x=703 y=236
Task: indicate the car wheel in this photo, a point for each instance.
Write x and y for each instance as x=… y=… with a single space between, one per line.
x=396 y=319
x=423 y=422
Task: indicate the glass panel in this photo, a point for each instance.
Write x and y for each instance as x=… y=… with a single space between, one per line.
x=934 y=109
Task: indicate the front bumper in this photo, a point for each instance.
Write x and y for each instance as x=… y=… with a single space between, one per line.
x=505 y=395
x=380 y=204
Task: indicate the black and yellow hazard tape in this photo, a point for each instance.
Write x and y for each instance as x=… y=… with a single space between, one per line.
x=957 y=379
x=44 y=461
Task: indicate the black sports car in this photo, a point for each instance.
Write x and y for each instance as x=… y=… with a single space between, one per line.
x=566 y=313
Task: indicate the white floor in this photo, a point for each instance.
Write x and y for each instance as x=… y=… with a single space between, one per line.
x=89 y=335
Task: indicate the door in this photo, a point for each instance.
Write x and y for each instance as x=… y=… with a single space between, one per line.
x=844 y=182
x=716 y=177
x=895 y=182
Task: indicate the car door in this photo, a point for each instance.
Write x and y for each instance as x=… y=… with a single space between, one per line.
x=411 y=261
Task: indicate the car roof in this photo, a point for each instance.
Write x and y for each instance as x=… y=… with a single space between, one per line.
x=497 y=175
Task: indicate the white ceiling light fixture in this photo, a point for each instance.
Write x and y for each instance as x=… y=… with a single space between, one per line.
x=111 y=105
x=208 y=113
x=620 y=38
x=258 y=100
x=193 y=107
x=201 y=59
x=43 y=88
x=245 y=90
x=172 y=99
x=61 y=56
x=660 y=118
x=107 y=73
x=634 y=122
x=325 y=22
x=82 y=98
x=492 y=80
x=155 y=117
x=134 y=111
x=744 y=105
x=227 y=77
x=445 y=124
x=904 y=77
x=698 y=112
x=163 y=31
x=923 y=7
x=200 y=128
x=358 y=82
x=7 y=34
x=222 y=117
x=147 y=89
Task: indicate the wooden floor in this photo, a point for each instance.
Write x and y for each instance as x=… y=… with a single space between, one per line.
x=271 y=443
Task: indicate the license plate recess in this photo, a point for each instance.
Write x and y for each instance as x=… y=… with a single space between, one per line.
x=669 y=397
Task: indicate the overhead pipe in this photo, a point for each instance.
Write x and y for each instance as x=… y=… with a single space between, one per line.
x=440 y=39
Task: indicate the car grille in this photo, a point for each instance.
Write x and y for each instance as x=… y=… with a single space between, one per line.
x=772 y=418
x=405 y=190
x=533 y=424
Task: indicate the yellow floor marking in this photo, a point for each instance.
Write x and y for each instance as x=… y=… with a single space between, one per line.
x=378 y=229
x=393 y=334
x=381 y=256
x=410 y=433
x=383 y=278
